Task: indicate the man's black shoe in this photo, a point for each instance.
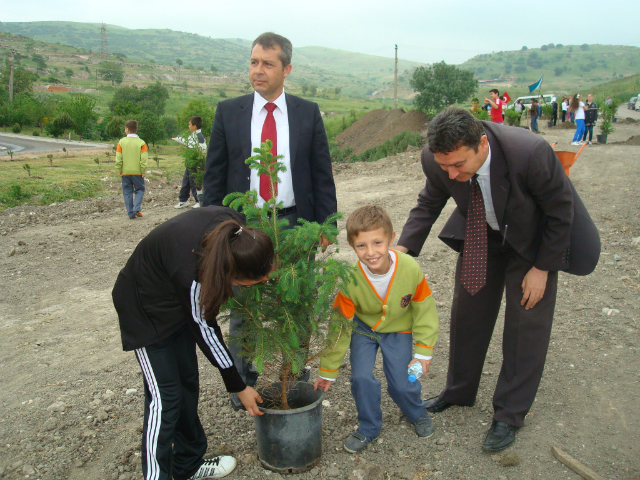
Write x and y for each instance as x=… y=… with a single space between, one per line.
x=435 y=405
x=500 y=436
x=235 y=402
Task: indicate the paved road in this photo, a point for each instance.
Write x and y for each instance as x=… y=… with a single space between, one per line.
x=28 y=144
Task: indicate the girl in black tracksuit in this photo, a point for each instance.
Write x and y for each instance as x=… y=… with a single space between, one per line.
x=182 y=269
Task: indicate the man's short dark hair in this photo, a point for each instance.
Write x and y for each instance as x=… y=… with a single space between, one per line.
x=452 y=129
x=132 y=126
x=269 y=40
x=196 y=122
x=494 y=90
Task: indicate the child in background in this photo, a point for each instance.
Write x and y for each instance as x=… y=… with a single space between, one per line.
x=391 y=306
x=195 y=139
x=131 y=163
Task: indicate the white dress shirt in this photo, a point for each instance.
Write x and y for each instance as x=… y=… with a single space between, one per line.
x=484 y=180
x=285 y=186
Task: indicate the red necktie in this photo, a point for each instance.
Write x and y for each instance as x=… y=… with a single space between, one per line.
x=474 y=254
x=269 y=132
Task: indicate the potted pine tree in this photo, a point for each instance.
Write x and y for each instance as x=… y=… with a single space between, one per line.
x=285 y=325
x=194 y=161
x=606 y=126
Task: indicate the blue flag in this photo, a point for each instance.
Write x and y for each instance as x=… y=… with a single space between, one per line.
x=536 y=85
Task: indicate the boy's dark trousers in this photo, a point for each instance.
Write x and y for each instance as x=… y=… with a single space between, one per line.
x=173 y=440
x=188 y=186
x=588 y=129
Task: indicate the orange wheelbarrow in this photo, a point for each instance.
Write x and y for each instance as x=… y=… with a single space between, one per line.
x=567 y=159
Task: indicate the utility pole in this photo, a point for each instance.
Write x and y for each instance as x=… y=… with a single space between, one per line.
x=395 y=82
x=11 y=69
x=104 y=45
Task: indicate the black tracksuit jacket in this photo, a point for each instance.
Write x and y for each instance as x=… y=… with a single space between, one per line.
x=157 y=292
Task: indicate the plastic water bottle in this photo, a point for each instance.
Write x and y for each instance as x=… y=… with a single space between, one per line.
x=415 y=371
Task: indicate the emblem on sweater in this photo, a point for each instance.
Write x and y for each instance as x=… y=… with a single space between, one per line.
x=404 y=301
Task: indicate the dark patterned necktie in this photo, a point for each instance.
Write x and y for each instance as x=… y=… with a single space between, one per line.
x=474 y=254
x=269 y=132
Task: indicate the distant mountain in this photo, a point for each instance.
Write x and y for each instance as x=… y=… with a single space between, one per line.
x=564 y=66
x=355 y=73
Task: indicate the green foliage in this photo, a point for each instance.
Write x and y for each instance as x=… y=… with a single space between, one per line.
x=36 y=133
x=558 y=71
x=171 y=127
x=194 y=161
x=481 y=114
x=397 y=144
x=27 y=167
x=547 y=110
x=130 y=101
x=286 y=321
x=335 y=125
x=16 y=128
x=441 y=85
x=200 y=108
x=60 y=123
x=607 y=112
x=22 y=79
x=150 y=127
x=13 y=195
x=81 y=110
x=513 y=118
x=111 y=71
x=115 y=127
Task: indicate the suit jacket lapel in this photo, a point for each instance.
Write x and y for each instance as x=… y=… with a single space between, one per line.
x=294 y=127
x=245 y=111
x=500 y=184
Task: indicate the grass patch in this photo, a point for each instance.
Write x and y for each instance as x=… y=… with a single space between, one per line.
x=397 y=144
x=337 y=124
x=74 y=176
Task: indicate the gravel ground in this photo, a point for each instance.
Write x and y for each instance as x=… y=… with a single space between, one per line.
x=71 y=402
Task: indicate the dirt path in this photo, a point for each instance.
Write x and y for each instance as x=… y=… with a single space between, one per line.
x=71 y=400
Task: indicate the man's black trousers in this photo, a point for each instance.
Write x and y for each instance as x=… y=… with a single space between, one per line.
x=173 y=440
x=525 y=338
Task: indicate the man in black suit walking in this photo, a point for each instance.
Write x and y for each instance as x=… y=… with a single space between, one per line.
x=294 y=125
x=517 y=223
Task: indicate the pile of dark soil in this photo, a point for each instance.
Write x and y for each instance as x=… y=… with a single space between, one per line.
x=378 y=126
x=635 y=140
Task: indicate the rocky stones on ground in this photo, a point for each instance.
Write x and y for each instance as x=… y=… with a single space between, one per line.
x=510 y=459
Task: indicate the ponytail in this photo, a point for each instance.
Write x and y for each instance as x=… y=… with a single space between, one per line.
x=231 y=251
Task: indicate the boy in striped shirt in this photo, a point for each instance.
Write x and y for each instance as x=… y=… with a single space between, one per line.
x=391 y=306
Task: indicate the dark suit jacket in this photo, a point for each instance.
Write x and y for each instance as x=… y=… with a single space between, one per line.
x=547 y=222
x=311 y=171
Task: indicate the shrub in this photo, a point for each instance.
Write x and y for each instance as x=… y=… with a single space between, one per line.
x=16 y=128
x=36 y=133
x=513 y=118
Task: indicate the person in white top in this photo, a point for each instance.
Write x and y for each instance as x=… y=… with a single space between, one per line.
x=577 y=108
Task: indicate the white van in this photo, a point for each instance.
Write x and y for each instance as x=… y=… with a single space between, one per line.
x=526 y=100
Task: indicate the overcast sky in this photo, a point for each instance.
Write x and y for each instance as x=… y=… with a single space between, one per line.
x=425 y=30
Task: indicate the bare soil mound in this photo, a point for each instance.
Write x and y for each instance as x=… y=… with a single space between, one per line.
x=635 y=140
x=378 y=126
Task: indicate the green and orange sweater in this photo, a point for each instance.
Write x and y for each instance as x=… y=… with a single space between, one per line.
x=131 y=155
x=408 y=307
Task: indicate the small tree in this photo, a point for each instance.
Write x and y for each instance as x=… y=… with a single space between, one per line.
x=194 y=161
x=10 y=152
x=97 y=162
x=214 y=69
x=111 y=71
x=287 y=321
x=337 y=90
x=50 y=157
x=179 y=63
x=441 y=85
x=68 y=73
x=27 y=167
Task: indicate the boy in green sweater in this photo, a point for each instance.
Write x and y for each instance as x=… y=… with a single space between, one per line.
x=391 y=305
x=131 y=163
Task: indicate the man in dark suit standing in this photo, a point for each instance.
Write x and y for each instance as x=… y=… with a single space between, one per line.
x=517 y=217
x=295 y=127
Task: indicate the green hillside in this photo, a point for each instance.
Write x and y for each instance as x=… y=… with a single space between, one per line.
x=356 y=74
x=565 y=67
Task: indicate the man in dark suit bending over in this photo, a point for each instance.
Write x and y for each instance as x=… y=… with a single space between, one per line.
x=517 y=223
x=294 y=125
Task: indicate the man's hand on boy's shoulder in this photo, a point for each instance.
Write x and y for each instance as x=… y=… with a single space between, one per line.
x=426 y=364
x=323 y=383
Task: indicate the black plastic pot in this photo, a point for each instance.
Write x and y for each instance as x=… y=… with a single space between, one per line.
x=614 y=119
x=290 y=441
x=601 y=138
x=549 y=124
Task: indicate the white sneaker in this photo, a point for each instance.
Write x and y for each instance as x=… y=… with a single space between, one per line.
x=216 y=467
x=196 y=205
x=589 y=142
x=182 y=204
x=575 y=143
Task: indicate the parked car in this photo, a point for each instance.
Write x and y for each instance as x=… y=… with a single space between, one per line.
x=631 y=104
x=526 y=100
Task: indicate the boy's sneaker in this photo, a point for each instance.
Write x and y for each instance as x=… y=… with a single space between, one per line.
x=196 y=205
x=589 y=142
x=182 y=204
x=424 y=426
x=138 y=214
x=216 y=467
x=356 y=442
x=575 y=143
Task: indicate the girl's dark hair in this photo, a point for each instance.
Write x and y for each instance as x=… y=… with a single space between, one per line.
x=575 y=103
x=232 y=251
